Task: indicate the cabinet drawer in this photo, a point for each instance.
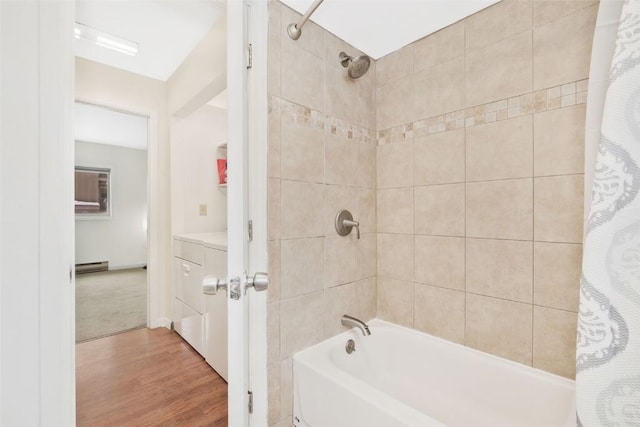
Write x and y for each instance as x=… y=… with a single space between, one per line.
x=215 y=263
x=192 y=252
x=188 y=280
x=189 y=325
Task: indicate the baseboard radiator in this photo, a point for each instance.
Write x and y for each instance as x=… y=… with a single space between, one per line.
x=92 y=267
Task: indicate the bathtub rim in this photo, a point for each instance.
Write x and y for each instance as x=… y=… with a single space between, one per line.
x=303 y=355
x=315 y=359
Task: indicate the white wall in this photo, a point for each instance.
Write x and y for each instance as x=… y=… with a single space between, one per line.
x=194 y=141
x=102 y=85
x=202 y=75
x=121 y=238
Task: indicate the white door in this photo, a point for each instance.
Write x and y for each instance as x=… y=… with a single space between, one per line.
x=246 y=190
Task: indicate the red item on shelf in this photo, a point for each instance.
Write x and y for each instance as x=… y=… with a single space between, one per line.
x=222 y=171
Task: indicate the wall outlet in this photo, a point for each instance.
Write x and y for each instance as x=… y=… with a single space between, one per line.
x=203 y=210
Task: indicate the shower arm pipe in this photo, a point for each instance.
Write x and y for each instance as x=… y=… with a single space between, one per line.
x=294 y=30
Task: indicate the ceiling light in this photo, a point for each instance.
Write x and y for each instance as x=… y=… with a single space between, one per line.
x=106 y=40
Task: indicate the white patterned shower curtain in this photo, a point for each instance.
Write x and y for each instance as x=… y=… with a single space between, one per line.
x=608 y=341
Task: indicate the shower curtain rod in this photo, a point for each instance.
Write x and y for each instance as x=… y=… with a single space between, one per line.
x=294 y=29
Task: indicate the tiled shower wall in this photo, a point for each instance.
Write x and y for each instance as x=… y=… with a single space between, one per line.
x=480 y=180
x=322 y=158
x=462 y=157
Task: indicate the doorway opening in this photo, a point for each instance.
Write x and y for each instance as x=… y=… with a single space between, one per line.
x=111 y=213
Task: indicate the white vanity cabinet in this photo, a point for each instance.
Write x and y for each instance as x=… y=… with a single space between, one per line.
x=201 y=319
x=188 y=306
x=215 y=315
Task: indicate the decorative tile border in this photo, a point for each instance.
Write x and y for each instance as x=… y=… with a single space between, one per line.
x=561 y=96
x=308 y=117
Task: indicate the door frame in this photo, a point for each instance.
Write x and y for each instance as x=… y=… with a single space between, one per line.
x=154 y=320
x=247 y=24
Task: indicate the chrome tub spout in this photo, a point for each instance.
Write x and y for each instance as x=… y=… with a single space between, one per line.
x=353 y=322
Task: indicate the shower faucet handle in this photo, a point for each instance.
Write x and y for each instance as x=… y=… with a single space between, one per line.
x=345 y=223
x=356 y=224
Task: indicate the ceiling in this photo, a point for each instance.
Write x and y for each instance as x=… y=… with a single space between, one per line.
x=168 y=30
x=165 y=30
x=105 y=126
x=379 y=27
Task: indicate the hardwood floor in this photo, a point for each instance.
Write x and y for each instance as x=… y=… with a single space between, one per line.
x=147 y=378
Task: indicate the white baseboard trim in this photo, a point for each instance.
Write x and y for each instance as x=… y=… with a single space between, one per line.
x=161 y=322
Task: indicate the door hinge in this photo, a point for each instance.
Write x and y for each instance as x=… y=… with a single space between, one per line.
x=250 y=230
x=250 y=64
x=250 y=402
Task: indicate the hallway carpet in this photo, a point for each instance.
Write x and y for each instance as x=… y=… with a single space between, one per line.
x=110 y=302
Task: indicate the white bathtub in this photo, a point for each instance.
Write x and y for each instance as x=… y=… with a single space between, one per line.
x=401 y=377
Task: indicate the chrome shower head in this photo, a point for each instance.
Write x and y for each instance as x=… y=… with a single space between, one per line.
x=357 y=67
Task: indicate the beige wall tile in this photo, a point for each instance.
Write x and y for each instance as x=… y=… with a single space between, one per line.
x=545 y=11
x=366 y=211
x=337 y=198
x=439 y=159
x=562 y=49
x=313 y=39
x=341 y=160
x=275 y=17
x=500 y=70
x=395 y=301
x=367 y=299
x=366 y=250
x=558 y=207
x=274 y=208
x=395 y=165
x=303 y=74
x=273 y=332
x=274 y=62
x=499 y=327
x=362 y=105
x=556 y=276
x=394 y=66
x=341 y=262
x=500 y=209
x=273 y=268
x=395 y=210
x=273 y=389
x=302 y=152
x=366 y=176
x=559 y=141
x=334 y=45
x=443 y=82
x=441 y=46
x=286 y=422
x=302 y=269
x=500 y=268
x=301 y=209
x=339 y=300
x=440 y=312
x=497 y=22
x=395 y=256
x=341 y=92
x=395 y=103
x=439 y=210
x=500 y=150
x=299 y=326
x=274 y=144
x=366 y=110
x=440 y=261
x=554 y=341
x=286 y=389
